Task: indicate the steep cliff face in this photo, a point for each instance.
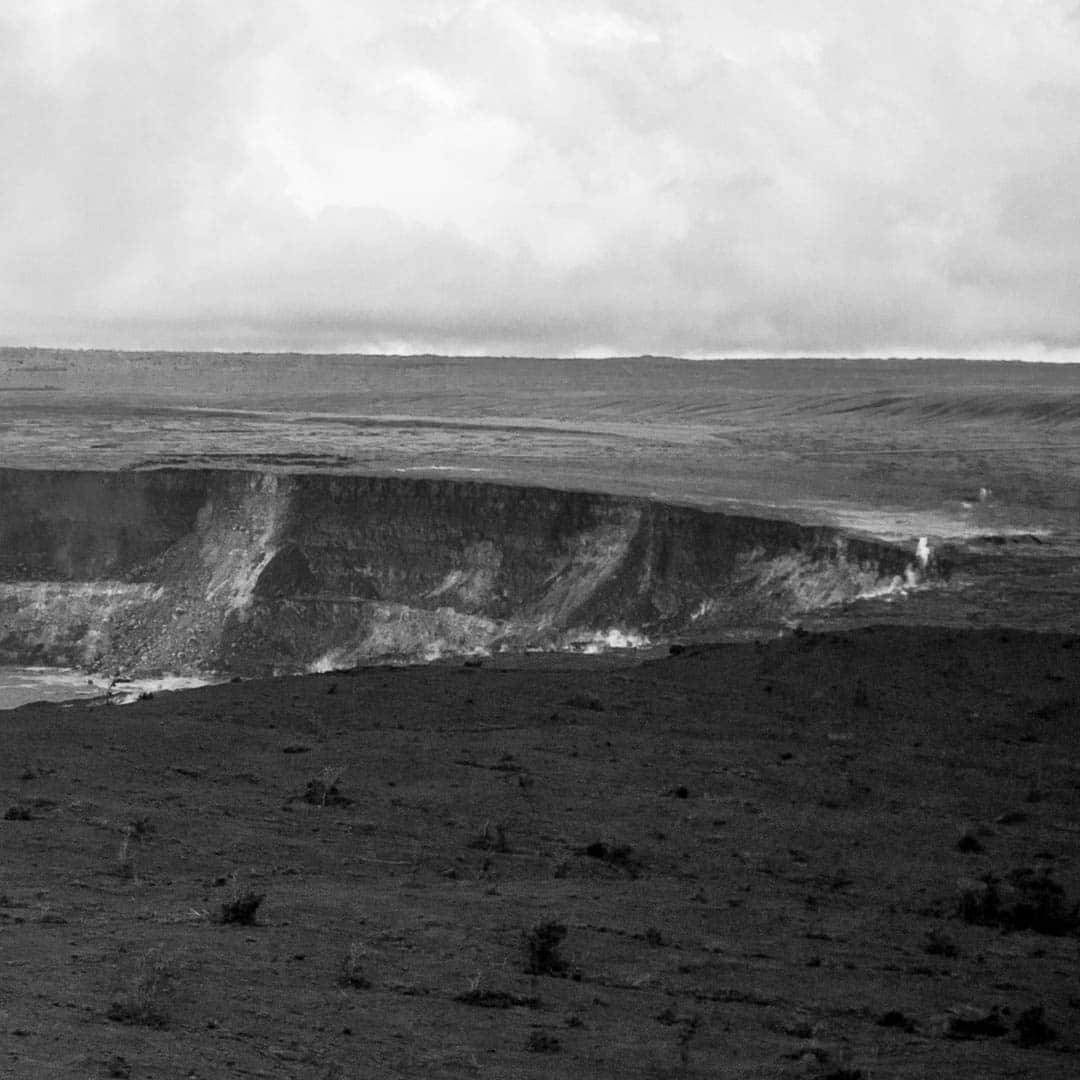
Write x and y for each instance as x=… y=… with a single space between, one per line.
x=183 y=570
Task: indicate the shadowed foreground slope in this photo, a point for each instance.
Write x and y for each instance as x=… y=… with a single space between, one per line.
x=809 y=858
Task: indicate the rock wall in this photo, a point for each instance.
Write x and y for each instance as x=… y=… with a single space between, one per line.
x=185 y=570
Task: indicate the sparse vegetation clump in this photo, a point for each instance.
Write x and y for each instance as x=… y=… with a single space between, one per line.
x=118 y=1066
x=620 y=856
x=1026 y=900
x=241 y=906
x=495 y=999
x=972 y=1025
x=980 y=901
x=686 y=1037
x=132 y=835
x=841 y=1072
x=352 y=969
x=125 y=857
x=542 y=949
x=940 y=944
x=323 y=790
x=821 y=1064
x=540 y=1042
x=140 y=828
x=1042 y=905
x=242 y=909
x=894 y=1018
x=142 y=1003
x=491 y=839
x=588 y=702
x=860 y=697
x=1031 y=1029
x=654 y=937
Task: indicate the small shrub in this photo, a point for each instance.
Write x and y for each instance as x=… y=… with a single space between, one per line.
x=17 y=813
x=980 y=901
x=1042 y=906
x=822 y=1065
x=142 y=1002
x=497 y=999
x=125 y=857
x=1031 y=1029
x=540 y=1042
x=542 y=945
x=1029 y=900
x=654 y=937
x=241 y=906
x=1052 y=710
x=969 y=844
x=940 y=944
x=134 y=832
x=833 y=1071
x=141 y=828
x=620 y=856
x=987 y=1026
x=689 y=1030
x=860 y=698
x=585 y=701
x=491 y=840
x=352 y=969
x=242 y=909
x=323 y=790
x=896 y=1019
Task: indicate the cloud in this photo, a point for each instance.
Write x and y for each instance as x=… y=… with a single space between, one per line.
x=827 y=175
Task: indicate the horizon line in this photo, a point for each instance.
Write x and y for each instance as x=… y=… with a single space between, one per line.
x=581 y=356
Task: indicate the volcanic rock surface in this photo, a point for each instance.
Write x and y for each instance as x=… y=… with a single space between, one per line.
x=844 y=855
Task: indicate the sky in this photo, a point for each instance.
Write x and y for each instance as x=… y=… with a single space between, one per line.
x=540 y=177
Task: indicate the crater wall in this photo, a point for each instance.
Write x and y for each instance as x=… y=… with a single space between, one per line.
x=198 y=569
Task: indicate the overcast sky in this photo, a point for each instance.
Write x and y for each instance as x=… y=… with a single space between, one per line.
x=702 y=177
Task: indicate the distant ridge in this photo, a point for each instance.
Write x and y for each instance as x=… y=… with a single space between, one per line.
x=11 y=352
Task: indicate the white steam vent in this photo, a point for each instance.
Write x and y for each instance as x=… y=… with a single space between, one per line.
x=923 y=553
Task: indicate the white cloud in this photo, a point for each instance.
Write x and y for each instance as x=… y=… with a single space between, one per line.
x=601 y=29
x=824 y=175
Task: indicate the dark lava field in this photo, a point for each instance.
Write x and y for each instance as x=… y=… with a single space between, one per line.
x=850 y=855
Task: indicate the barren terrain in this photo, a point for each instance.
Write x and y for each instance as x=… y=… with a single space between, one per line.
x=854 y=854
